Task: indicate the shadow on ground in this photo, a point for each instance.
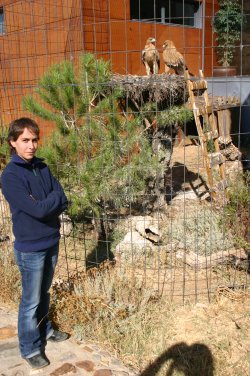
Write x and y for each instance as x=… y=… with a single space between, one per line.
x=193 y=360
x=180 y=178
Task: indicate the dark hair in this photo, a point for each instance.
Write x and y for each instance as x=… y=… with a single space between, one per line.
x=17 y=127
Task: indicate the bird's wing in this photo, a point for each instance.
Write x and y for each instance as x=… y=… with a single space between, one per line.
x=172 y=57
x=158 y=58
x=143 y=55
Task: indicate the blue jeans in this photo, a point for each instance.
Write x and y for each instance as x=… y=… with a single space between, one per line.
x=37 y=271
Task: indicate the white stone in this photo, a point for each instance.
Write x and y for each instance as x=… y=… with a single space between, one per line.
x=186 y=195
x=132 y=243
x=66 y=225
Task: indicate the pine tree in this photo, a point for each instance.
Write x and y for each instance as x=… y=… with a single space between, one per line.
x=100 y=147
x=102 y=153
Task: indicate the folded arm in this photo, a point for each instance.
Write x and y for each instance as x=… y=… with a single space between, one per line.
x=58 y=188
x=18 y=197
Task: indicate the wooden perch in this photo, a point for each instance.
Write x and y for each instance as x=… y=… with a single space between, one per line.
x=155 y=88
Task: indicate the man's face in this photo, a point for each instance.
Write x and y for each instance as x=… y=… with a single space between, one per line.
x=26 y=144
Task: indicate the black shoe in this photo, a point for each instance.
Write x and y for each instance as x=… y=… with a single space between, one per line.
x=58 y=336
x=37 y=361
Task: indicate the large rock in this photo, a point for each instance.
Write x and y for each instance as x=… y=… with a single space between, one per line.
x=148 y=227
x=66 y=225
x=142 y=237
x=133 y=246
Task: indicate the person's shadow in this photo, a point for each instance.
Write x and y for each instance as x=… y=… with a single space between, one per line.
x=193 y=360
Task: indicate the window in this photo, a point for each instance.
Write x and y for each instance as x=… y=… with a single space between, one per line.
x=1 y=21
x=178 y=12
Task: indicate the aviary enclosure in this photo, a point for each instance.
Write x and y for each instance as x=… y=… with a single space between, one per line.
x=150 y=144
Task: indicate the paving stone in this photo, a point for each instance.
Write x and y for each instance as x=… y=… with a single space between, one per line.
x=7 y=345
x=119 y=373
x=64 y=369
x=95 y=348
x=67 y=356
x=105 y=361
x=9 y=349
x=115 y=362
x=19 y=373
x=96 y=357
x=104 y=353
x=15 y=365
x=87 y=348
x=88 y=365
x=103 y=372
x=8 y=331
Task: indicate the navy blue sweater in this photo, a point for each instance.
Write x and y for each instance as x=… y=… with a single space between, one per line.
x=36 y=200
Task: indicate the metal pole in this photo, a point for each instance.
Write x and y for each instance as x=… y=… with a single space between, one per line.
x=203 y=35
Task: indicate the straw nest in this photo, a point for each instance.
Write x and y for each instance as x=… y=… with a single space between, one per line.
x=159 y=88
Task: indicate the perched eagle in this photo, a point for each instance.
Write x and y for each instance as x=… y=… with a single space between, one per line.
x=151 y=57
x=172 y=58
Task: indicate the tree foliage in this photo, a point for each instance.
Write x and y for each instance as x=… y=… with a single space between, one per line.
x=228 y=23
x=237 y=210
x=100 y=147
x=4 y=147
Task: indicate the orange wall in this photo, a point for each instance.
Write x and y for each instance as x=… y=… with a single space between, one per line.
x=41 y=33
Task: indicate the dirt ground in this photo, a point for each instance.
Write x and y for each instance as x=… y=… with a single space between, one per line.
x=188 y=197
x=188 y=169
x=208 y=328
x=210 y=339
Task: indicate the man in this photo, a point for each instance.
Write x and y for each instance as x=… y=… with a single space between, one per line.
x=36 y=200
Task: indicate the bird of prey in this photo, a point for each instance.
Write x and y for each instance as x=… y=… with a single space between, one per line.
x=151 y=57
x=172 y=58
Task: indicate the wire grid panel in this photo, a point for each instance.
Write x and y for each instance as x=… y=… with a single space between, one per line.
x=168 y=233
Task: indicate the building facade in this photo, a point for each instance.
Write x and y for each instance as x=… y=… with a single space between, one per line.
x=34 y=34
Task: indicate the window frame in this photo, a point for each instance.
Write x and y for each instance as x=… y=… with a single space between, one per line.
x=157 y=8
x=2 y=25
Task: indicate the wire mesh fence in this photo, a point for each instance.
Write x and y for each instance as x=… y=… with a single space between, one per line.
x=131 y=141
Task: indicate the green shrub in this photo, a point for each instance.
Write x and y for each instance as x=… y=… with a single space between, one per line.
x=237 y=209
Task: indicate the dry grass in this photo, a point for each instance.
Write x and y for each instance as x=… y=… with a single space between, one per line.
x=113 y=308
x=9 y=276
x=154 y=335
